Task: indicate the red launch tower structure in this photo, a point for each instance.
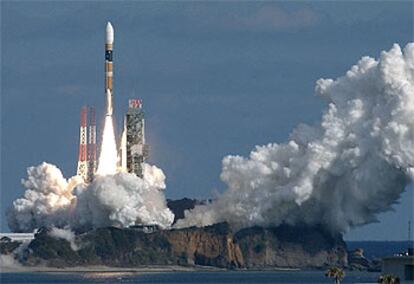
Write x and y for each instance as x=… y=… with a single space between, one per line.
x=83 y=151
x=92 y=144
x=87 y=144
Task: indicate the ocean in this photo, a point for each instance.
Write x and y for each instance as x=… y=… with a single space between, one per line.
x=228 y=277
x=379 y=249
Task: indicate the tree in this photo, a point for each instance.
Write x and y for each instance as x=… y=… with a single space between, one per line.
x=389 y=279
x=337 y=273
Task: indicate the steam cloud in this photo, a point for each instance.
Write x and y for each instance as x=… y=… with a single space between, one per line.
x=341 y=173
x=65 y=234
x=120 y=200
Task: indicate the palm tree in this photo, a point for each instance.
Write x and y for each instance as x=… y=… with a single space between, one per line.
x=337 y=273
x=389 y=279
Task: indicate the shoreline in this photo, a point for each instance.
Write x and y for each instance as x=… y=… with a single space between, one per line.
x=108 y=269
x=141 y=269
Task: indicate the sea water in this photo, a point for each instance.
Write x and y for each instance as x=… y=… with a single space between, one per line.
x=228 y=277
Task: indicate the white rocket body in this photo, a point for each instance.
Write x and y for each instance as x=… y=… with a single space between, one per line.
x=109 y=67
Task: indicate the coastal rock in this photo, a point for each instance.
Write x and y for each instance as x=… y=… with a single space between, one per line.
x=7 y=246
x=210 y=246
x=357 y=261
x=291 y=247
x=216 y=245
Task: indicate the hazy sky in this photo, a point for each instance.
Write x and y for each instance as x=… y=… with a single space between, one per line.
x=216 y=78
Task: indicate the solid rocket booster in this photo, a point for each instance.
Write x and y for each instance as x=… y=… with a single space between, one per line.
x=108 y=67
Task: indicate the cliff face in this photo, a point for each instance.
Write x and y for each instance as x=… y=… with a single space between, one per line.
x=287 y=246
x=210 y=246
x=357 y=261
x=215 y=245
x=7 y=246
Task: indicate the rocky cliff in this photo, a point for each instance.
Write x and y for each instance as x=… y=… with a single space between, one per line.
x=291 y=246
x=217 y=245
x=210 y=246
x=357 y=261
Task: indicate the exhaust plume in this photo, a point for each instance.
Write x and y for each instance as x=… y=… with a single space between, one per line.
x=65 y=234
x=340 y=173
x=120 y=200
x=108 y=157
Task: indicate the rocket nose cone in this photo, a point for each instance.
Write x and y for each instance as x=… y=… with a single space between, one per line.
x=109 y=33
x=109 y=27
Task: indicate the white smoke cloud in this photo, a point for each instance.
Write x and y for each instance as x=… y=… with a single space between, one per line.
x=9 y=263
x=120 y=200
x=65 y=234
x=124 y=199
x=47 y=199
x=341 y=173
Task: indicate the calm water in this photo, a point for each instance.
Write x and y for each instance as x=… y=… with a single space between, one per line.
x=291 y=277
x=380 y=249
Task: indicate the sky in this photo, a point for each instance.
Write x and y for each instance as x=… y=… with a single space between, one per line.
x=216 y=78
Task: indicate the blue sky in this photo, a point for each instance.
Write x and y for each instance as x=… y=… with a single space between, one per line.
x=216 y=78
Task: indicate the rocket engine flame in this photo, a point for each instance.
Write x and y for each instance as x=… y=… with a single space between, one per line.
x=109 y=109
x=108 y=157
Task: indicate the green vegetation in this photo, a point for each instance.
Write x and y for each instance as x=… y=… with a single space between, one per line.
x=130 y=247
x=260 y=246
x=47 y=247
x=8 y=246
x=389 y=279
x=335 y=272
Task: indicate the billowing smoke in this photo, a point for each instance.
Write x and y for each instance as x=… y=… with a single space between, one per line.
x=65 y=234
x=341 y=173
x=122 y=199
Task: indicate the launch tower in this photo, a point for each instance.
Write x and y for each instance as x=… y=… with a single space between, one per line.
x=133 y=150
x=82 y=161
x=91 y=144
x=87 y=145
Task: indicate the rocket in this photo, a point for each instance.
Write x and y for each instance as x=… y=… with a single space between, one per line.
x=108 y=67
